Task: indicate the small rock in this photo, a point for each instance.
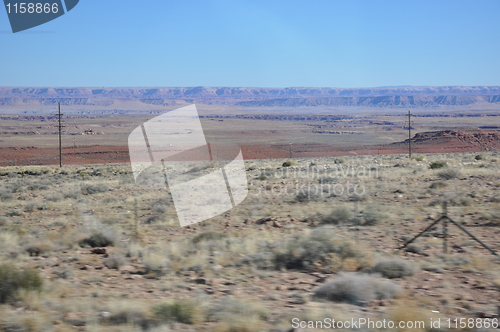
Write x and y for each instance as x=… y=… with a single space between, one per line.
x=263 y=220
x=214 y=282
x=104 y=314
x=75 y=319
x=297 y=301
x=133 y=277
x=277 y=224
x=485 y=314
x=127 y=269
x=87 y=268
x=98 y=251
x=460 y=310
x=201 y=281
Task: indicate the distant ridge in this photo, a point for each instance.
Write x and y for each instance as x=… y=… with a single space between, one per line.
x=380 y=101
x=404 y=96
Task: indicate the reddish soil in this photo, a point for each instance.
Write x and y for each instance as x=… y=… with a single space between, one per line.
x=97 y=154
x=448 y=141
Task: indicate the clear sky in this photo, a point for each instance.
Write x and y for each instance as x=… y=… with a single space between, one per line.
x=266 y=43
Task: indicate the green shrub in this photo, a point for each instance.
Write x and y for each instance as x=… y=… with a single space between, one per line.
x=16 y=187
x=321 y=250
x=15 y=213
x=419 y=157
x=438 y=185
x=98 y=238
x=158 y=207
x=89 y=189
x=40 y=185
x=4 y=221
x=154 y=218
x=357 y=288
x=114 y=262
x=309 y=193
x=479 y=157
x=14 y=321
x=289 y=163
x=457 y=200
x=438 y=164
x=198 y=168
x=129 y=314
x=428 y=266
x=35 y=172
x=39 y=247
x=394 y=268
x=339 y=215
x=208 y=236
x=54 y=197
x=328 y=179
x=72 y=194
x=359 y=197
x=339 y=161
x=5 y=194
x=157 y=263
x=13 y=279
x=30 y=207
x=370 y=218
x=450 y=173
x=182 y=311
x=414 y=248
x=237 y=315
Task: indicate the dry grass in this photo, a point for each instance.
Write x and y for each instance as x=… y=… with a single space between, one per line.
x=231 y=272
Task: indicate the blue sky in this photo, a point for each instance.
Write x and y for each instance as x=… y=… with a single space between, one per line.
x=273 y=43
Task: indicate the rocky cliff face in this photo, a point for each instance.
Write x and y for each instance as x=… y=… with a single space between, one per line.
x=377 y=97
x=380 y=101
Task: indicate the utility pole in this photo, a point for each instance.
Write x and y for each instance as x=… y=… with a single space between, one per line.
x=290 y=150
x=409 y=134
x=60 y=133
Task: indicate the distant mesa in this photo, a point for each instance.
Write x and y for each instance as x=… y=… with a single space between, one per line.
x=403 y=96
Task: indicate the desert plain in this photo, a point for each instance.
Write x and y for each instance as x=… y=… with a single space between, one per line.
x=332 y=198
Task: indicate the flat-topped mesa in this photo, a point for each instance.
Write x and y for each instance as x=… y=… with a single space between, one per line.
x=487 y=139
x=242 y=93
